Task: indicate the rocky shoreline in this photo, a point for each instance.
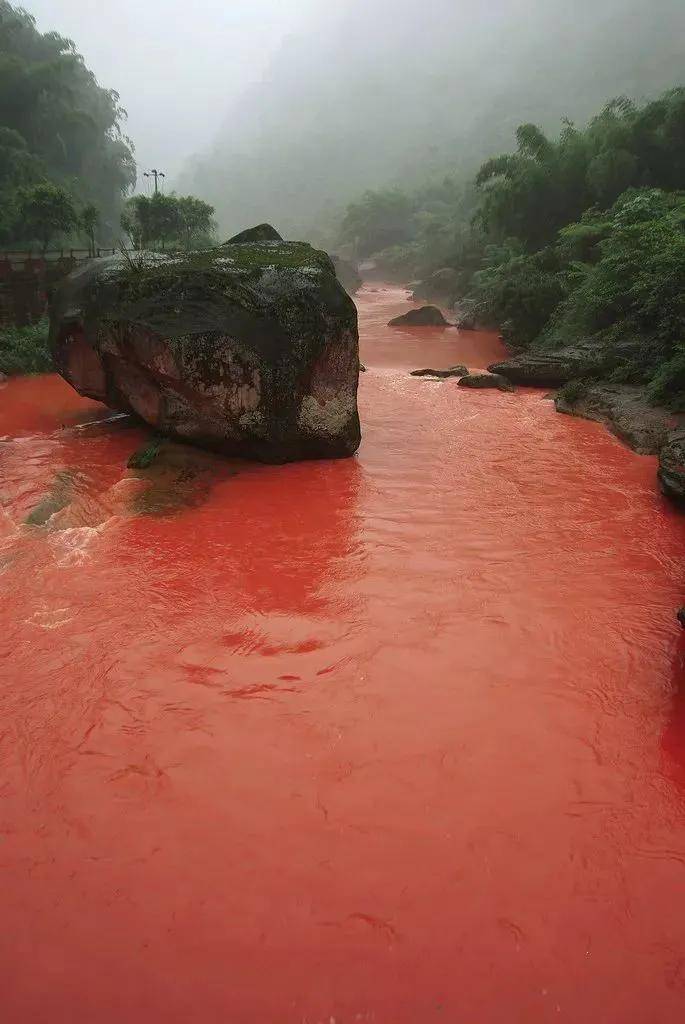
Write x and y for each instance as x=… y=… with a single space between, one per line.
x=624 y=409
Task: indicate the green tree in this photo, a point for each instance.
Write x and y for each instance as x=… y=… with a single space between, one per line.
x=379 y=220
x=46 y=211
x=57 y=123
x=90 y=218
x=195 y=221
x=161 y=221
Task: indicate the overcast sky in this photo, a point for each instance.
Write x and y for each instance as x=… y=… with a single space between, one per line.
x=169 y=59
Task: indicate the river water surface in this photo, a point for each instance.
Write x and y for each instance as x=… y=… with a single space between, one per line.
x=398 y=739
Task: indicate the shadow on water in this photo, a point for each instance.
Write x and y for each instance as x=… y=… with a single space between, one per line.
x=274 y=539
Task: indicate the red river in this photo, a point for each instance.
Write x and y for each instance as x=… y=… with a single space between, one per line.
x=398 y=739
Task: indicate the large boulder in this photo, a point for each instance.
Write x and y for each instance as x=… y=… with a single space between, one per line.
x=247 y=349
x=554 y=368
x=260 y=233
x=426 y=316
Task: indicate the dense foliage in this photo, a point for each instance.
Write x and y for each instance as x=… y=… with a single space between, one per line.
x=584 y=240
x=25 y=349
x=57 y=125
x=169 y=222
x=412 y=233
x=579 y=238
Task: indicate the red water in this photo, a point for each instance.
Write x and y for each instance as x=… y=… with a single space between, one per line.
x=394 y=740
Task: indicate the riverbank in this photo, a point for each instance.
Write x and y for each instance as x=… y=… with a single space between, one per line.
x=626 y=411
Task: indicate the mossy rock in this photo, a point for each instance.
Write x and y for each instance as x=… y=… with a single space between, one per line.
x=486 y=380
x=260 y=233
x=247 y=349
x=426 y=316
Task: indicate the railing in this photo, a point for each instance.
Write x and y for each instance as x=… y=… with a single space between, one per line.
x=27 y=275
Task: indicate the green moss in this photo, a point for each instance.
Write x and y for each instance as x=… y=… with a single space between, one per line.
x=143 y=274
x=146 y=454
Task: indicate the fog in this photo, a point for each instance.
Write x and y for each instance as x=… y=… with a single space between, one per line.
x=286 y=111
x=178 y=67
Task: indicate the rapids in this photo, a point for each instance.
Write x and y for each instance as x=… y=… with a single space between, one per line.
x=396 y=739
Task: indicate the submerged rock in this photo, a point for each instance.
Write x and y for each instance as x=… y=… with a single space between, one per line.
x=260 y=233
x=426 y=316
x=61 y=494
x=451 y=371
x=250 y=349
x=552 y=369
x=671 y=472
x=486 y=380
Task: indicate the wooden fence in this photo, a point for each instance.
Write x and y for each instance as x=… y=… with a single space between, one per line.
x=26 y=277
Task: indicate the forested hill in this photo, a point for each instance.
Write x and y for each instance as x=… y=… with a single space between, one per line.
x=381 y=93
x=57 y=124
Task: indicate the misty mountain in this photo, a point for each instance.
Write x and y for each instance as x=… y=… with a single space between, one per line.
x=396 y=93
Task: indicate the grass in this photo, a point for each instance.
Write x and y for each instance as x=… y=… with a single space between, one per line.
x=25 y=349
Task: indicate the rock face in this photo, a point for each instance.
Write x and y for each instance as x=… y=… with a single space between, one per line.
x=451 y=371
x=671 y=472
x=426 y=316
x=551 y=369
x=624 y=410
x=486 y=380
x=260 y=233
x=248 y=349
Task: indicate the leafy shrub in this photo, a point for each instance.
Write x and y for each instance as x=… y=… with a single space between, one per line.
x=25 y=349
x=635 y=289
x=519 y=290
x=667 y=386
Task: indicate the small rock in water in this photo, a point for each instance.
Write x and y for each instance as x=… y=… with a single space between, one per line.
x=451 y=371
x=362 y=368
x=486 y=380
x=681 y=617
x=426 y=316
x=60 y=496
